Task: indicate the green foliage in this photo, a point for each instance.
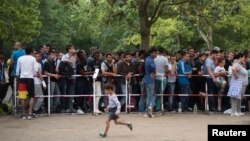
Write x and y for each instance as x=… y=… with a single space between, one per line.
x=56 y=25
x=113 y=25
x=19 y=20
x=108 y=26
x=166 y=31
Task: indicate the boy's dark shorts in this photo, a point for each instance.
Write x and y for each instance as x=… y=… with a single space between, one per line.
x=112 y=115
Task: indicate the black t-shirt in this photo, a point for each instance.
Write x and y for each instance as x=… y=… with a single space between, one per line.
x=50 y=67
x=81 y=66
x=199 y=66
x=227 y=64
x=199 y=81
x=94 y=64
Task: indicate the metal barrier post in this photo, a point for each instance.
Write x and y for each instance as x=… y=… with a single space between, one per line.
x=162 y=105
x=129 y=94
x=15 y=97
x=94 y=95
x=206 y=98
x=126 y=86
x=48 y=95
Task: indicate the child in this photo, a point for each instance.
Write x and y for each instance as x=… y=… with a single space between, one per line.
x=220 y=80
x=113 y=109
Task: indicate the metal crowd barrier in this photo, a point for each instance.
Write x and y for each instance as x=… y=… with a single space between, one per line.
x=127 y=95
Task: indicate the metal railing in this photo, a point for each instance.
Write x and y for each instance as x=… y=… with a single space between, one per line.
x=127 y=95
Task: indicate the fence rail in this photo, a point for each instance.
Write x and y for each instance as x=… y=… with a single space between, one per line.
x=127 y=95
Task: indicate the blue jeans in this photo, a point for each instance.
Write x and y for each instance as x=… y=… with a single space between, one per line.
x=67 y=89
x=184 y=89
x=54 y=90
x=211 y=91
x=171 y=90
x=160 y=86
x=150 y=87
x=142 y=102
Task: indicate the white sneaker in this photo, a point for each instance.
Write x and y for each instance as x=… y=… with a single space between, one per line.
x=235 y=114
x=67 y=111
x=79 y=111
x=24 y=117
x=228 y=111
x=97 y=112
x=30 y=117
x=241 y=114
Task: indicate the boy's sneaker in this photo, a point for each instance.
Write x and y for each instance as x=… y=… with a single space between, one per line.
x=130 y=126
x=149 y=112
x=102 y=134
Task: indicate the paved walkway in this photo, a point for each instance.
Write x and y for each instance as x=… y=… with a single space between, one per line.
x=61 y=127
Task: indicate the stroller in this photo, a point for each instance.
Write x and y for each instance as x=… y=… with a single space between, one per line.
x=5 y=108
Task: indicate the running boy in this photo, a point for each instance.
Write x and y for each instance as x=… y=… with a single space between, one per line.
x=113 y=110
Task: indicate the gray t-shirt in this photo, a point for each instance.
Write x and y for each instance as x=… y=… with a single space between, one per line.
x=242 y=72
x=114 y=102
x=172 y=72
x=161 y=62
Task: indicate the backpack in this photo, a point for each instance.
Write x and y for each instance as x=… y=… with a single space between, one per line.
x=109 y=79
x=65 y=69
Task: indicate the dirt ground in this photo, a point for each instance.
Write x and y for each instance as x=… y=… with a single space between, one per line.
x=62 y=127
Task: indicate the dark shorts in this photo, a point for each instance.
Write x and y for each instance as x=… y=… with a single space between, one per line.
x=29 y=85
x=112 y=115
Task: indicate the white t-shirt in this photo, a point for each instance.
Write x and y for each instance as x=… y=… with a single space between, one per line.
x=160 y=63
x=104 y=67
x=26 y=66
x=70 y=59
x=38 y=68
x=219 y=69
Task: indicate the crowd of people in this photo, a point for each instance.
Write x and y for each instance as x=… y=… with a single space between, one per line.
x=181 y=76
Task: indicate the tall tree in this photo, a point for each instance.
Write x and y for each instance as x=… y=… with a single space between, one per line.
x=148 y=13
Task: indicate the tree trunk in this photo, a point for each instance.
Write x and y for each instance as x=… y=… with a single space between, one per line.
x=145 y=38
x=144 y=24
x=208 y=38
